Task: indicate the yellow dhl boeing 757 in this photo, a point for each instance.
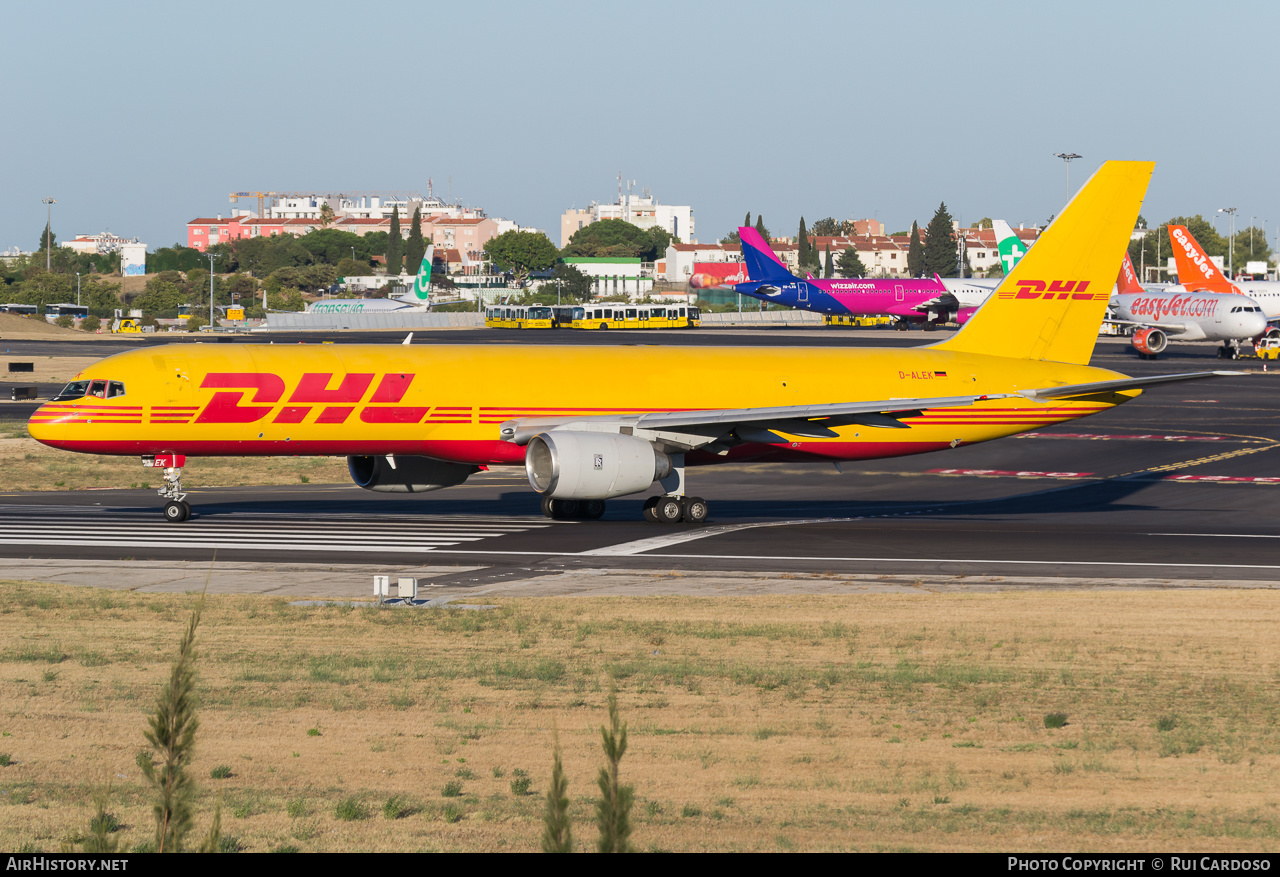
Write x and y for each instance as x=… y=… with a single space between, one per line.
x=590 y=423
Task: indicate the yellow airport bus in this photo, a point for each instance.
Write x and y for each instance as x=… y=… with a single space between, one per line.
x=624 y=316
x=863 y=321
x=519 y=317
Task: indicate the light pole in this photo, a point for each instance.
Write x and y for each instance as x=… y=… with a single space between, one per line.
x=48 y=229
x=1231 y=241
x=1068 y=157
x=211 y=256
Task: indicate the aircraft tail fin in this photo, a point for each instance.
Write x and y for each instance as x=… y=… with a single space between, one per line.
x=1196 y=271
x=1051 y=305
x=762 y=262
x=1008 y=244
x=422 y=283
x=1127 y=283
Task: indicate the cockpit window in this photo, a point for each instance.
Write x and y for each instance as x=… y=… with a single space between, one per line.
x=73 y=390
x=95 y=389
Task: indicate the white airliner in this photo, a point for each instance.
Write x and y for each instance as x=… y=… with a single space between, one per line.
x=419 y=298
x=1197 y=273
x=1158 y=314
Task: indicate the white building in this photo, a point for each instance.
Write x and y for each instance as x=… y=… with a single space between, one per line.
x=105 y=242
x=642 y=211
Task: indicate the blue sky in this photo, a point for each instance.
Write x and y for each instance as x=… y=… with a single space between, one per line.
x=140 y=116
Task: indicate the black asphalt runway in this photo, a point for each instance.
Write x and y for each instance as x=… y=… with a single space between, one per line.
x=1182 y=484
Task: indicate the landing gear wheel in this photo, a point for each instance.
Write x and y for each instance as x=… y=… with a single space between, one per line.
x=546 y=507
x=668 y=510
x=901 y=326
x=592 y=509
x=649 y=505
x=694 y=510
x=176 y=511
x=564 y=509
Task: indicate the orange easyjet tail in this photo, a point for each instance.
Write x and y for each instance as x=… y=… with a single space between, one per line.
x=1127 y=283
x=1196 y=272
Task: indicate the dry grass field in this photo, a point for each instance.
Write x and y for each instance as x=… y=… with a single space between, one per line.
x=875 y=722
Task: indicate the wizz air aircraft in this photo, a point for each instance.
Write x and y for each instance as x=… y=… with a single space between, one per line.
x=1196 y=273
x=1159 y=314
x=418 y=418
x=910 y=300
x=419 y=297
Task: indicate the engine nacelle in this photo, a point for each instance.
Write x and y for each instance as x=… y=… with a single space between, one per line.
x=564 y=464
x=1150 y=341
x=410 y=474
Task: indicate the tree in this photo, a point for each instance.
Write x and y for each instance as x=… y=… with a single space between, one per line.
x=100 y=295
x=520 y=252
x=574 y=284
x=557 y=834
x=828 y=227
x=829 y=269
x=48 y=240
x=395 y=243
x=802 y=239
x=850 y=263
x=915 y=253
x=940 y=245
x=415 y=247
x=172 y=735
x=90 y=324
x=760 y=227
x=613 y=809
x=617 y=237
x=351 y=268
x=984 y=222
x=326 y=215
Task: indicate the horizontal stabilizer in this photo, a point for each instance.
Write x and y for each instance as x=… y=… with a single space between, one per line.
x=1122 y=384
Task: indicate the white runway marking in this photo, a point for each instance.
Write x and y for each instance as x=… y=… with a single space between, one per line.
x=1222 y=535
x=110 y=529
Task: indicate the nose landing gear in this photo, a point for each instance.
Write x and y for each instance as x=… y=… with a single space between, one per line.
x=176 y=509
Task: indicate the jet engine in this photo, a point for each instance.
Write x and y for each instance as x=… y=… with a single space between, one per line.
x=406 y=474
x=564 y=464
x=1150 y=341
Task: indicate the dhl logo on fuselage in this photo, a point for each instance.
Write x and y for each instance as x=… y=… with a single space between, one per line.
x=313 y=391
x=1052 y=289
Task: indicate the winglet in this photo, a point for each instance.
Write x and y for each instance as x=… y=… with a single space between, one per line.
x=762 y=262
x=1196 y=271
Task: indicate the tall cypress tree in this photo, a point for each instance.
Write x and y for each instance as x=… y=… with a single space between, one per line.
x=829 y=271
x=764 y=232
x=915 y=254
x=415 y=247
x=395 y=243
x=940 y=245
x=747 y=221
x=802 y=239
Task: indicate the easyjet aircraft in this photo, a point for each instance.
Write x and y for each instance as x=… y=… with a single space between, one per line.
x=590 y=423
x=1158 y=314
x=1197 y=273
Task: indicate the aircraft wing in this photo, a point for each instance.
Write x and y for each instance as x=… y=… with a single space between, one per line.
x=719 y=428
x=1167 y=328
x=713 y=424
x=1121 y=384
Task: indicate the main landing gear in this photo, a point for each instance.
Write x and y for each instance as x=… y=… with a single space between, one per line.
x=671 y=508
x=176 y=509
x=1229 y=350
x=675 y=509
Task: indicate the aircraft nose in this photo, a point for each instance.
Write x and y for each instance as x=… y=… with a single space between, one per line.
x=45 y=425
x=1254 y=324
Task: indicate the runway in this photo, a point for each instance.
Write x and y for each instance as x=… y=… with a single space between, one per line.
x=1182 y=485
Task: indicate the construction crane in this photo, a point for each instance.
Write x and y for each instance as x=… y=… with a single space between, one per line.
x=236 y=196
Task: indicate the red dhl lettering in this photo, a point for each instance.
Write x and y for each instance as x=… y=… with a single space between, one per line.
x=1054 y=289
x=313 y=387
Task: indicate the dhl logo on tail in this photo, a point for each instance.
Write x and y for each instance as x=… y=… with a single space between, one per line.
x=1053 y=289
